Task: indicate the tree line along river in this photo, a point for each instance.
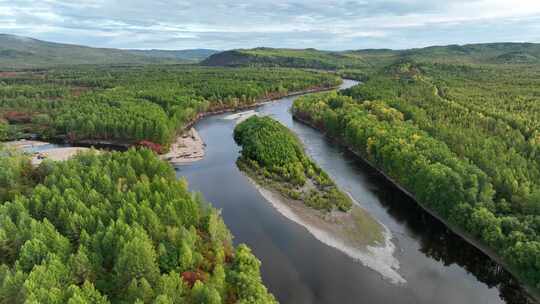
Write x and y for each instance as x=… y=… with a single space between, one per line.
x=437 y=265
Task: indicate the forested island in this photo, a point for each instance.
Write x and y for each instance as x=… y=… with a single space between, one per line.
x=274 y=159
x=273 y=155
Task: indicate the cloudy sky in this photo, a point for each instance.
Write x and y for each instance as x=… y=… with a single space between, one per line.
x=226 y=24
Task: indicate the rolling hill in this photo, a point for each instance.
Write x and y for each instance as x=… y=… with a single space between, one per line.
x=489 y=53
x=300 y=58
x=17 y=52
x=194 y=55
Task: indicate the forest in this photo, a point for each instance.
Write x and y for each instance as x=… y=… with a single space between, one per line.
x=370 y=60
x=20 y=52
x=273 y=155
x=268 y=57
x=140 y=103
x=462 y=138
x=115 y=227
x=458 y=127
x=119 y=227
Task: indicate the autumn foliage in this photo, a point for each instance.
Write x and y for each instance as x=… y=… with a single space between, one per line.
x=18 y=117
x=151 y=145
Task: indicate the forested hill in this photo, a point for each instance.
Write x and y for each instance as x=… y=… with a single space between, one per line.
x=17 y=52
x=489 y=53
x=194 y=55
x=303 y=58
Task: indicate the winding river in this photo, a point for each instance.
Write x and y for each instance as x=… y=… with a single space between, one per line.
x=437 y=265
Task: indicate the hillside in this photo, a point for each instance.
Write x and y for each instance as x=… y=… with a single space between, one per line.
x=488 y=53
x=17 y=52
x=299 y=58
x=22 y=52
x=194 y=55
x=516 y=57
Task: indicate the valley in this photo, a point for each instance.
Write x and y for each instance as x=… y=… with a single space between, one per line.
x=422 y=142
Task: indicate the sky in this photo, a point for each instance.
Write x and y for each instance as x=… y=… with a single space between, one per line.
x=328 y=24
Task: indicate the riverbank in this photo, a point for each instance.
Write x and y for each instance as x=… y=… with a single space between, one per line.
x=41 y=150
x=256 y=104
x=186 y=151
x=354 y=233
x=57 y=154
x=190 y=148
x=438 y=265
x=241 y=116
x=533 y=293
x=187 y=148
x=25 y=144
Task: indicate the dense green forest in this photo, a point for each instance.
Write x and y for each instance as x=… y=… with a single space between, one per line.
x=456 y=126
x=15 y=174
x=462 y=138
x=132 y=104
x=115 y=228
x=273 y=155
x=193 y=55
x=362 y=61
x=308 y=58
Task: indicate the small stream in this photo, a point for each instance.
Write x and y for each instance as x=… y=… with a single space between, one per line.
x=438 y=266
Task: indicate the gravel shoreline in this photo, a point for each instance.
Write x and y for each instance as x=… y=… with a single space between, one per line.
x=44 y=153
x=187 y=148
x=333 y=232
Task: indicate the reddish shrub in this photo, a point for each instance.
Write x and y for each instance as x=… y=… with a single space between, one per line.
x=18 y=117
x=151 y=145
x=190 y=277
x=9 y=74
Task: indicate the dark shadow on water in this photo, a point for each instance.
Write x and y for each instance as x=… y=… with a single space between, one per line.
x=436 y=240
x=439 y=266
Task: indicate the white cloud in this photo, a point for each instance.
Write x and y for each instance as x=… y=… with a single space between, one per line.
x=6 y=11
x=336 y=24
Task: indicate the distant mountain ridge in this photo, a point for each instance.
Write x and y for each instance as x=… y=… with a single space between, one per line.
x=486 y=53
x=17 y=52
x=301 y=58
x=476 y=53
x=194 y=55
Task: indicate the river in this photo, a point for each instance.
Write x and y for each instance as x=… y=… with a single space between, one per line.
x=438 y=266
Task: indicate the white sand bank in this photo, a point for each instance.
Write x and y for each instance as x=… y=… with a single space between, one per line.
x=377 y=256
x=56 y=154
x=25 y=144
x=189 y=147
x=241 y=116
